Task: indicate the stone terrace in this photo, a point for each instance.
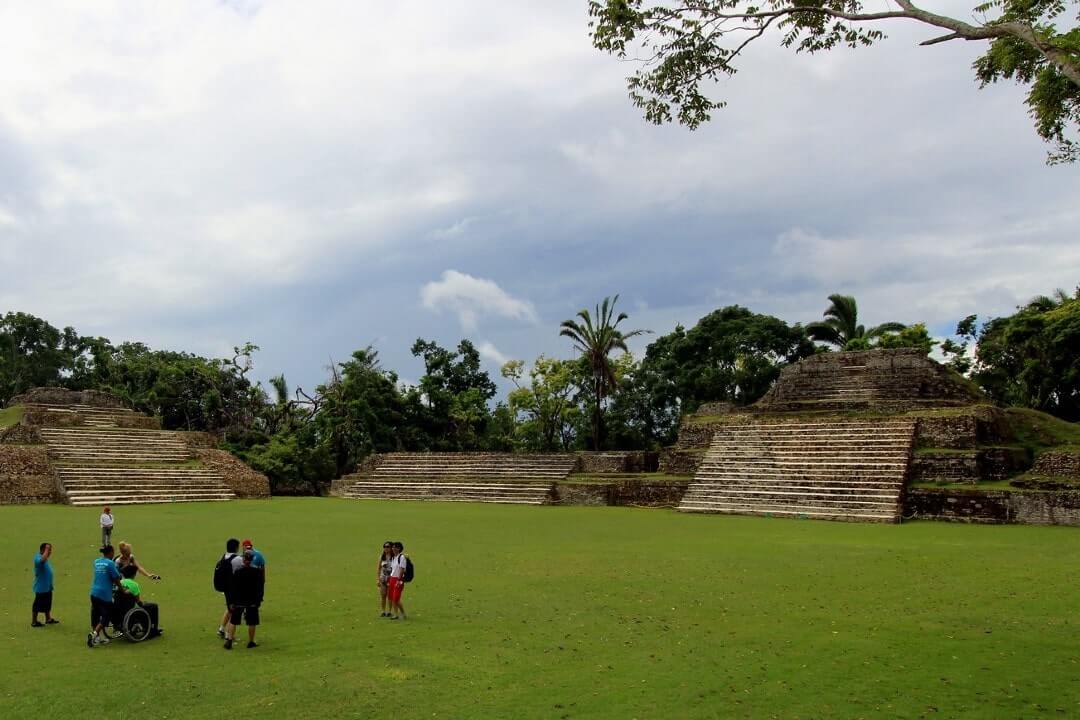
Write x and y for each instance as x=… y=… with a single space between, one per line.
x=102 y=458
x=835 y=470
x=463 y=477
x=882 y=380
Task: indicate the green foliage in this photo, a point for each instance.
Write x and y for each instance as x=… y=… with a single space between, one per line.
x=293 y=464
x=731 y=354
x=1030 y=359
x=596 y=340
x=686 y=48
x=360 y=411
x=912 y=336
x=33 y=353
x=449 y=405
x=841 y=326
x=1039 y=59
x=546 y=405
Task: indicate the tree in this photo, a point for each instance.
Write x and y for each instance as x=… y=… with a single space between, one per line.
x=546 y=402
x=692 y=44
x=841 y=325
x=360 y=411
x=33 y=353
x=731 y=355
x=449 y=406
x=596 y=341
x=1030 y=359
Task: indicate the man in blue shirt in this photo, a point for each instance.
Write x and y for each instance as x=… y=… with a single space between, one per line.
x=43 y=586
x=106 y=575
x=257 y=561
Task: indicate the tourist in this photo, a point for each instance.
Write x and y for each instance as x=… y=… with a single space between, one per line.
x=101 y=596
x=382 y=576
x=257 y=560
x=397 y=581
x=129 y=567
x=247 y=596
x=106 y=522
x=43 y=586
x=223 y=573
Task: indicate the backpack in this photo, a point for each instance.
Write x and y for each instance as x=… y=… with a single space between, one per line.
x=408 y=576
x=223 y=572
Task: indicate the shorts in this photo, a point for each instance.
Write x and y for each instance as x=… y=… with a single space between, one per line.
x=248 y=612
x=100 y=611
x=43 y=602
x=396 y=586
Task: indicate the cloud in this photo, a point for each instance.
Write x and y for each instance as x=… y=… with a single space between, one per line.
x=489 y=351
x=471 y=298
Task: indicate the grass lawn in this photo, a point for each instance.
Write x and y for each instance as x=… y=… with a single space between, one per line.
x=552 y=612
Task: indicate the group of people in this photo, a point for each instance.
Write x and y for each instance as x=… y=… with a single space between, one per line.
x=394 y=570
x=240 y=575
x=115 y=583
x=241 y=578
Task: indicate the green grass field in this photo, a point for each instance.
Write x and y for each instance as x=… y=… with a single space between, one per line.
x=550 y=612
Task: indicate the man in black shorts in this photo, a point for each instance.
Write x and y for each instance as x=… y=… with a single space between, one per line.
x=246 y=595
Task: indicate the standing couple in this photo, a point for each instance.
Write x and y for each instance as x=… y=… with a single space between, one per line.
x=394 y=570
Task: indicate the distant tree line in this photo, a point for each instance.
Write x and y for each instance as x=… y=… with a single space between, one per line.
x=601 y=398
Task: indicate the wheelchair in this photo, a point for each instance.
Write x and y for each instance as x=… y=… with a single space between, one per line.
x=132 y=620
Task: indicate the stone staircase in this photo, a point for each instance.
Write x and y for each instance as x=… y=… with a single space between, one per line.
x=462 y=477
x=91 y=416
x=835 y=470
x=101 y=463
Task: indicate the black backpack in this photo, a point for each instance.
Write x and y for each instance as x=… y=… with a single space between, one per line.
x=408 y=576
x=223 y=572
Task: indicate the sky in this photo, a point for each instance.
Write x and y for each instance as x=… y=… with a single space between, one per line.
x=321 y=176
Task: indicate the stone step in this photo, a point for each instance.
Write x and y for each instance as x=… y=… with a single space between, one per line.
x=451 y=487
x=792 y=498
x=733 y=473
x=734 y=480
x=811 y=435
x=141 y=500
x=113 y=470
x=84 y=483
x=75 y=433
x=429 y=498
x=119 y=443
x=815 y=513
x=803 y=465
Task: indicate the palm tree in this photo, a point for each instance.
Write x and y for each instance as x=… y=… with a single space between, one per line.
x=596 y=342
x=841 y=324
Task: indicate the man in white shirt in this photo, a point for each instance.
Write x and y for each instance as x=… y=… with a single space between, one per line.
x=106 y=527
x=397 y=582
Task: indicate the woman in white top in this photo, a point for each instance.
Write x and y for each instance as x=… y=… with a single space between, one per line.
x=382 y=576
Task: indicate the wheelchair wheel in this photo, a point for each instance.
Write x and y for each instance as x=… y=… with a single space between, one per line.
x=137 y=625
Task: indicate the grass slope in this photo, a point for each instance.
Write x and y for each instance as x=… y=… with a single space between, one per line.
x=542 y=612
x=10 y=416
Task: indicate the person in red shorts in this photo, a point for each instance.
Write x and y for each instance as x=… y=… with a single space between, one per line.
x=397 y=582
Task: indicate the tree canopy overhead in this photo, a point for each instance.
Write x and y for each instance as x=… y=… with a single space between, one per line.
x=688 y=45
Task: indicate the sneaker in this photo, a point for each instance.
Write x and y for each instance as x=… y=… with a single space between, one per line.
x=37 y=624
x=52 y=621
x=90 y=640
x=251 y=644
x=393 y=617
x=101 y=641
x=221 y=633
x=228 y=644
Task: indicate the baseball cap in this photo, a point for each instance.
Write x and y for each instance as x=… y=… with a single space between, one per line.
x=247 y=543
